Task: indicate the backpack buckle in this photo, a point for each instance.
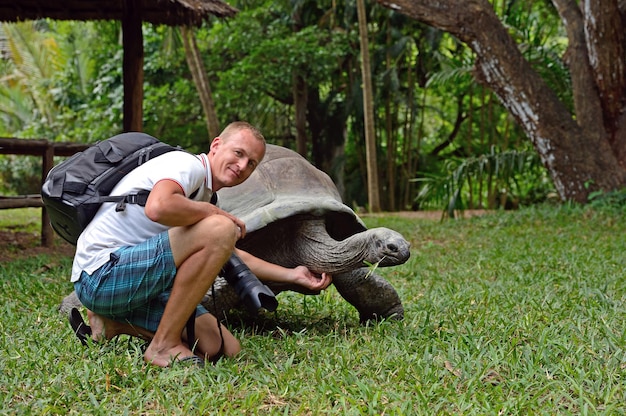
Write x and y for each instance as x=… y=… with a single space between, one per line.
x=132 y=199
x=121 y=206
x=128 y=199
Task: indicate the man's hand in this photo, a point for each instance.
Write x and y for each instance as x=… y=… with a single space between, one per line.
x=312 y=281
x=238 y=222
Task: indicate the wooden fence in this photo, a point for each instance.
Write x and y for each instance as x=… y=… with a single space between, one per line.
x=47 y=150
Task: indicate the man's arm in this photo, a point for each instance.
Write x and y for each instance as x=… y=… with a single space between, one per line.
x=168 y=205
x=300 y=275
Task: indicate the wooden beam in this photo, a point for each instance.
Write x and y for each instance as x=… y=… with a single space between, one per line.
x=13 y=146
x=47 y=150
x=23 y=201
x=132 y=66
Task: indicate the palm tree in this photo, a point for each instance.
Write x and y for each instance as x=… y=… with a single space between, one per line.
x=34 y=56
x=46 y=75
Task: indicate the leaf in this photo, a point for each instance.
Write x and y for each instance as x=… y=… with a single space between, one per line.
x=372 y=267
x=451 y=369
x=492 y=377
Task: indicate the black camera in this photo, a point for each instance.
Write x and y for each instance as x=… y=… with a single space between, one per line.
x=254 y=294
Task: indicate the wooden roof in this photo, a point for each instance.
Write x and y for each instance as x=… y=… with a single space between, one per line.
x=167 y=12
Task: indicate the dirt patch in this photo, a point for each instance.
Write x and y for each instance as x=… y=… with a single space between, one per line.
x=16 y=245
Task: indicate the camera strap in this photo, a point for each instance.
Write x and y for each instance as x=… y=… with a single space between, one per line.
x=220 y=353
x=191 y=322
x=191 y=331
x=191 y=336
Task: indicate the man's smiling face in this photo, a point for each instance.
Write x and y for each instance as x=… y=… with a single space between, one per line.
x=233 y=159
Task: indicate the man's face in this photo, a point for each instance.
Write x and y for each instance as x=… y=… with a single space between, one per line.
x=233 y=160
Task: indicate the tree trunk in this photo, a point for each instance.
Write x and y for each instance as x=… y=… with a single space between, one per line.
x=299 y=100
x=596 y=59
x=585 y=153
x=373 y=194
x=299 y=92
x=201 y=81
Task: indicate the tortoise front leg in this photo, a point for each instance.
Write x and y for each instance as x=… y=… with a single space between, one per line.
x=373 y=296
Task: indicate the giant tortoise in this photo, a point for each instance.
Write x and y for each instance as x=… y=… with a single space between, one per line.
x=294 y=216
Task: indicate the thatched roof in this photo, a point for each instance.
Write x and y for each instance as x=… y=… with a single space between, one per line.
x=168 y=12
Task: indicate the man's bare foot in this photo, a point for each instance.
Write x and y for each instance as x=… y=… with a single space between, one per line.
x=165 y=357
x=98 y=324
x=103 y=328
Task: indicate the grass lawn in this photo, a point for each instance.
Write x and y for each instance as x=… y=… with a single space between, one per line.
x=511 y=313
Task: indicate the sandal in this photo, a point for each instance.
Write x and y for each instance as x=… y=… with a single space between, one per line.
x=191 y=361
x=81 y=329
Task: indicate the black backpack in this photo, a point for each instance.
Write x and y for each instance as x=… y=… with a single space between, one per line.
x=75 y=189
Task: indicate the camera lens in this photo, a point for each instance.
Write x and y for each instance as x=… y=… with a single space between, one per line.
x=254 y=294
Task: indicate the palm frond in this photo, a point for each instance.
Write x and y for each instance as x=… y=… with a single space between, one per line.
x=35 y=57
x=511 y=173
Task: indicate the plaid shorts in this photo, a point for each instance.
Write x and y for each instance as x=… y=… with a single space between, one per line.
x=134 y=285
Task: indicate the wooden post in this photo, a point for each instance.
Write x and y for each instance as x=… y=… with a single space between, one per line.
x=132 y=65
x=47 y=234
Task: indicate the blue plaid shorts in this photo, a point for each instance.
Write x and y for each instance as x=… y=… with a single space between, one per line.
x=134 y=285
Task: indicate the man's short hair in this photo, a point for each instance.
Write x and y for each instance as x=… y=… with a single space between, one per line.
x=236 y=126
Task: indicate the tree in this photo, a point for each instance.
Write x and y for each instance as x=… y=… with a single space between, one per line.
x=201 y=80
x=286 y=70
x=585 y=149
x=368 y=112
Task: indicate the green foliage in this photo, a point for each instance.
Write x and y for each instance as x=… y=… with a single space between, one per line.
x=515 y=313
x=63 y=81
x=20 y=175
x=612 y=201
x=255 y=57
x=84 y=89
x=542 y=39
x=491 y=180
x=35 y=56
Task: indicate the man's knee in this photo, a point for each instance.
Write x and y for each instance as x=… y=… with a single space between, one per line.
x=217 y=231
x=213 y=237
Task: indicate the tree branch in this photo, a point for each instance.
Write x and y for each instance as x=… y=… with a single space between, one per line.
x=460 y=117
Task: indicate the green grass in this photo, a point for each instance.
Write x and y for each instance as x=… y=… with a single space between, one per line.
x=24 y=219
x=512 y=313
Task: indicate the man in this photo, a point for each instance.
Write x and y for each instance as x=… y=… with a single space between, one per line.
x=144 y=271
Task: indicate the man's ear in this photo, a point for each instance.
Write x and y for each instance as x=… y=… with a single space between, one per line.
x=215 y=143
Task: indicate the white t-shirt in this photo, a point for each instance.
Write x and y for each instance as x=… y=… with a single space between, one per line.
x=110 y=230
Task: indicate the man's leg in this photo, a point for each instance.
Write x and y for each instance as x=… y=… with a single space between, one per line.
x=210 y=339
x=209 y=335
x=199 y=252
